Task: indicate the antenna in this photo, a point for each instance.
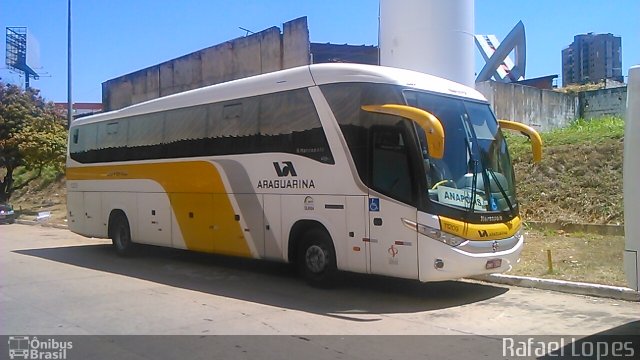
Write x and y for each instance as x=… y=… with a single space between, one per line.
x=16 y=58
x=247 y=30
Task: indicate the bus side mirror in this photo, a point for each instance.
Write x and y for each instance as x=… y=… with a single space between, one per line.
x=427 y=121
x=536 y=140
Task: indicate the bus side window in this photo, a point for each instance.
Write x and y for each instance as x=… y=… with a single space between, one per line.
x=232 y=111
x=76 y=134
x=390 y=163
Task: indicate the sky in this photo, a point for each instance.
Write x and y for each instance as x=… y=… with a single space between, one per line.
x=111 y=38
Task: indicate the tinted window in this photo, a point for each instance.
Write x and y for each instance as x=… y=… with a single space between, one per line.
x=145 y=130
x=390 y=163
x=185 y=124
x=280 y=122
x=83 y=138
x=112 y=134
x=289 y=123
x=345 y=100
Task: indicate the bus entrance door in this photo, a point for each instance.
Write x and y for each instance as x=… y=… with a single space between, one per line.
x=393 y=246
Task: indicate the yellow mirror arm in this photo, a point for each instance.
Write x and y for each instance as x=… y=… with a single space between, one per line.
x=536 y=140
x=427 y=121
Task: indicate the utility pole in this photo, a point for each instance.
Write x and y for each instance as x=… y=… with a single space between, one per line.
x=69 y=99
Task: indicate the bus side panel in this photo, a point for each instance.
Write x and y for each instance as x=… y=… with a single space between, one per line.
x=193 y=213
x=208 y=223
x=249 y=216
x=273 y=242
x=357 y=229
x=154 y=219
x=75 y=211
x=94 y=224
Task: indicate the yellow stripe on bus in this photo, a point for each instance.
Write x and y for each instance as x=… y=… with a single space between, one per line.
x=480 y=231
x=198 y=198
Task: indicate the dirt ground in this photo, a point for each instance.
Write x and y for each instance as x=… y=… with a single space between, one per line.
x=36 y=198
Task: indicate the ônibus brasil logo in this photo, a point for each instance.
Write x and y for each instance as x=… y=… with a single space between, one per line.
x=26 y=347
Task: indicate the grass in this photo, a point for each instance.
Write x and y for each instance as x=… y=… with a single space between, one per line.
x=48 y=176
x=578 y=180
x=580 y=177
x=580 y=131
x=575 y=257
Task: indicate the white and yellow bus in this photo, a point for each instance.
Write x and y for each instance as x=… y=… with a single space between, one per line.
x=331 y=167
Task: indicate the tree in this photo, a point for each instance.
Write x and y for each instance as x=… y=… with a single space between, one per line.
x=32 y=134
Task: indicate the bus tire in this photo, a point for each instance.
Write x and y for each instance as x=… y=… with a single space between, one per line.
x=120 y=234
x=317 y=258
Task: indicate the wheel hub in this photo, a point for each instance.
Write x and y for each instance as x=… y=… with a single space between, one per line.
x=316 y=259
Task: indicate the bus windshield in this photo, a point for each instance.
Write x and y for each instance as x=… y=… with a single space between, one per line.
x=475 y=172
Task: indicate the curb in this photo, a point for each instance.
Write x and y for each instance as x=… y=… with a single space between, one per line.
x=571 y=287
x=600 y=229
x=41 y=223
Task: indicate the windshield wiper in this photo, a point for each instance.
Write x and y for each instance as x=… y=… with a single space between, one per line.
x=474 y=184
x=504 y=193
x=474 y=161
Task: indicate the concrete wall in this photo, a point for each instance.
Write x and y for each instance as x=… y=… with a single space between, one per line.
x=541 y=109
x=597 y=103
x=259 y=53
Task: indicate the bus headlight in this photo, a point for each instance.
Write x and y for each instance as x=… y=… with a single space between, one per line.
x=441 y=236
x=435 y=234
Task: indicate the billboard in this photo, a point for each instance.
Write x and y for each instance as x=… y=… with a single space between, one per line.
x=16 y=57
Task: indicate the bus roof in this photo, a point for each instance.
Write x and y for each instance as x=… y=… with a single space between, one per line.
x=333 y=73
x=289 y=79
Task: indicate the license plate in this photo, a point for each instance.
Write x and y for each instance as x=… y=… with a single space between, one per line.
x=493 y=264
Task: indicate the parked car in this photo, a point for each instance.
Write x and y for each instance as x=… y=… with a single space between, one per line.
x=7 y=215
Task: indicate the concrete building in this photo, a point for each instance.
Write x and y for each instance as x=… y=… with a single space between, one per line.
x=592 y=58
x=266 y=51
x=262 y=52
x=332 y=53
x=79 y=109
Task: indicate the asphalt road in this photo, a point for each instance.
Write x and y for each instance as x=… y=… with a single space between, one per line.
x=55 y=282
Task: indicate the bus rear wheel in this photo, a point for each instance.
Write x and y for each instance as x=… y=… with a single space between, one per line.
x=317 y=259
x=121 y=234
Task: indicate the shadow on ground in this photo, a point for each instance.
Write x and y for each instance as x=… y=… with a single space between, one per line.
x=616 y=343
x=272 y=283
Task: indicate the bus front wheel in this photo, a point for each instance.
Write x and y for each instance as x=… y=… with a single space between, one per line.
x=317 y=258
x=121 y=234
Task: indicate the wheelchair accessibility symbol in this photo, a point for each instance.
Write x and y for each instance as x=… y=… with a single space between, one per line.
x=374 y=204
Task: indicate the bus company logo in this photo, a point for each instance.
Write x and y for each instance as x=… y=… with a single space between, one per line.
x=495 y=246
x=286 y=170
x=25 y=347
x=308 y=203
x=485 y=233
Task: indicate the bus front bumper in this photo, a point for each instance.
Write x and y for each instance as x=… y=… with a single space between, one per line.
x=439 y=261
